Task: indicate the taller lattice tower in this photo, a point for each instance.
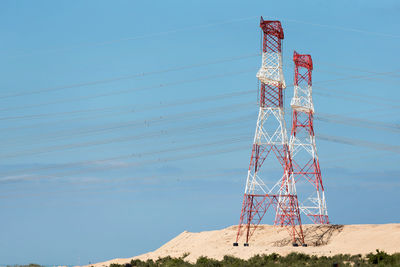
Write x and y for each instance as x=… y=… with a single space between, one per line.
x=270 y=136
x=306 y=170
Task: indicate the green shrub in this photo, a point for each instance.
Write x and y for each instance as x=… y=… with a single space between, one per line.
x=379 y=258
x=206 y=262
x=233 y=261
x=382 y=258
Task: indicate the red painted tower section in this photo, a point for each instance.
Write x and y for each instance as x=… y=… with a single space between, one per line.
x=270 y=136
x=306 y=169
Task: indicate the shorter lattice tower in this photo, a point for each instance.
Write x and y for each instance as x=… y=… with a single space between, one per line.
x=306 y=170
x=270 y=146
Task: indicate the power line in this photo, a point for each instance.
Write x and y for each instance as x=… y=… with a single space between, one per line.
x=358 y=122
x=209 y=77
x=200 y=127
x=355 y=77
x=380 y=80
x=356 y=69
x=344 y=28
x=352 y=98
x=151 y=87
x=207 y=174
x=135 y=123
x=357 y=142
x=123 y=139
x=145 y=36
x=133 y=109
x=186 y=115
x=131 y=76
x=132 y=155
x=335 y=118
x=342 y=140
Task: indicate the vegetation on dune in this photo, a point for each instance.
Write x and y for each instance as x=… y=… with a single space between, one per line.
x=27 y=265
x=379 y=258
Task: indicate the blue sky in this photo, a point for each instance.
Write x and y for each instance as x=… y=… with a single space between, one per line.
x=125 y=123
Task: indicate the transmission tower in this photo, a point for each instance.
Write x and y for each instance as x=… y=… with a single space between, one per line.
x=306 y=170
x=270 y=136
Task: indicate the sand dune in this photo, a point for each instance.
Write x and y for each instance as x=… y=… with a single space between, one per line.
x=322 y=240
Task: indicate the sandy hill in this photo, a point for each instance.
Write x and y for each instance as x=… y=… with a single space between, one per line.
x=321 y=239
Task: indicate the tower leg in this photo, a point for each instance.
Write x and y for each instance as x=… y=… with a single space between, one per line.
x=255 y=207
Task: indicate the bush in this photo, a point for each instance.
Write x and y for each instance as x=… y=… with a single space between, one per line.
x=379 y=258
x=206 y=262
x=233 y=261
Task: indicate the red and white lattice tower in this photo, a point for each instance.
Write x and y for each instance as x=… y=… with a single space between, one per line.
x=270 y=146
x=306 y=170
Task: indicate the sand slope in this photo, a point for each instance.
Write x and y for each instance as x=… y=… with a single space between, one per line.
x=321 y=240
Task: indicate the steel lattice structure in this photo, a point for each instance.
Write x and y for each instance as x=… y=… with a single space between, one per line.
x=270 y=136
x=306 y=170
